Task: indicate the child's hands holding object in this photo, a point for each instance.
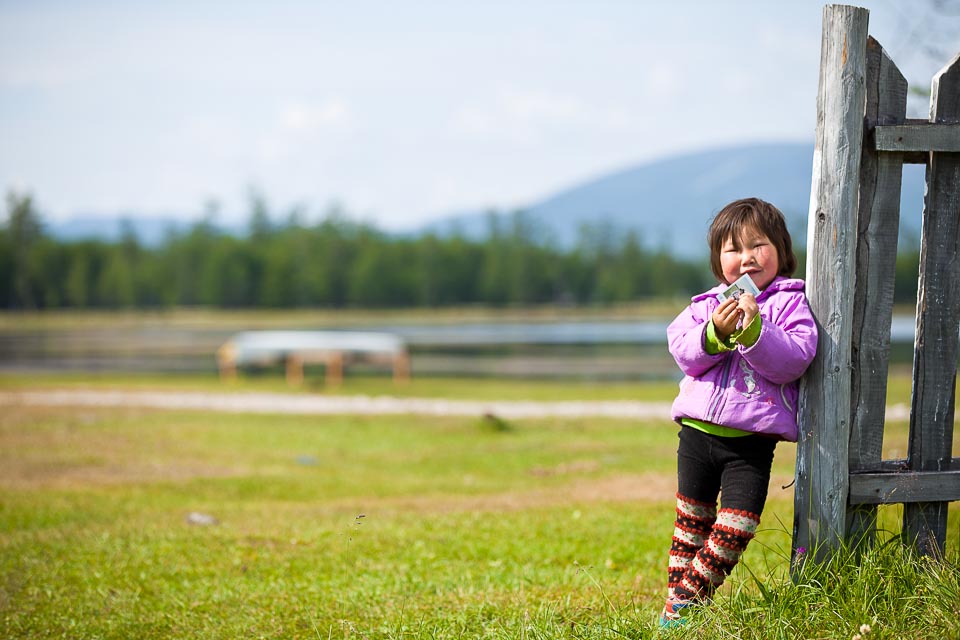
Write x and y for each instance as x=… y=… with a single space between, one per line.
x=738 y=302
x=726 y=317
x=734 y=312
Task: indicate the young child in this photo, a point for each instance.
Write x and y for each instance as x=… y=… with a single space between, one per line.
x=741 y=360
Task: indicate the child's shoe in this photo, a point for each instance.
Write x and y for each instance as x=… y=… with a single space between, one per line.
x=674 y=613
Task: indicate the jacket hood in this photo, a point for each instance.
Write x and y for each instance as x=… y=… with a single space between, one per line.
x=779 y=284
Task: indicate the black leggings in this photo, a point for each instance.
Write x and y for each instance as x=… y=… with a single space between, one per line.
x=737 y=469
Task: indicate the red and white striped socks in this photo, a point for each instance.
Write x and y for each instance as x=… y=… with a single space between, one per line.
x=707 y=544
x=691 y=529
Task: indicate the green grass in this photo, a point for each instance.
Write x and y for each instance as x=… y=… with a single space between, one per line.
x=397 y=527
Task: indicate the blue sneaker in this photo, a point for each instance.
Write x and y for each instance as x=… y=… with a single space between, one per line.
x=674 y=613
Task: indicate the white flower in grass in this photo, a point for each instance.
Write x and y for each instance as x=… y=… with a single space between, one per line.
x=856 y=636
x=864 y=629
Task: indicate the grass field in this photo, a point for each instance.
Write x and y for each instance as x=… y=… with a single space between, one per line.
x=398 y=527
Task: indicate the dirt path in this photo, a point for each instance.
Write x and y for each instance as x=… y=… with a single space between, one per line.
x=380 y=405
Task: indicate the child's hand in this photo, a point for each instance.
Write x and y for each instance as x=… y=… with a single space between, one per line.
x=748 y=305
x=726 y=316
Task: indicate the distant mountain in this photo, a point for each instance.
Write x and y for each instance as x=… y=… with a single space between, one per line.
x=670 y=202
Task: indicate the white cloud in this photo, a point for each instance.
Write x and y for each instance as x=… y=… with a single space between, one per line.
x=543 y=106
x=535 y=116
x=299 y=128
x=512 y=114
x=302 y=117
x=662 y=80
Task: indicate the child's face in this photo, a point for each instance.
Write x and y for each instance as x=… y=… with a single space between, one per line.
x=751 y=253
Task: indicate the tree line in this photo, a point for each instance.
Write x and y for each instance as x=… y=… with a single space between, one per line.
x=336 y=263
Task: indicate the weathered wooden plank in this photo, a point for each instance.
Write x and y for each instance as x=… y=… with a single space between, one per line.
x=877 y=230
x=928 y=136
x=873 y=488
x=938 y=319
x=824 y=416
x=897 y=466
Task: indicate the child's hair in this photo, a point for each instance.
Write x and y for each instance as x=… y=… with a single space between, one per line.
x=756 y=214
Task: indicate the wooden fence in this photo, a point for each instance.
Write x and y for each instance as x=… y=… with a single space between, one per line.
x=863 y=139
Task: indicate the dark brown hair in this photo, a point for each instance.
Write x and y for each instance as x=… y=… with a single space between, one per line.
x=757 y=214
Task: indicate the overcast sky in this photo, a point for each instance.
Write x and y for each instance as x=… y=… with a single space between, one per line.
x=400 y=111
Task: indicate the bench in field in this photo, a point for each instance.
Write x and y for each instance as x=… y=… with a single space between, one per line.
x=333 y=349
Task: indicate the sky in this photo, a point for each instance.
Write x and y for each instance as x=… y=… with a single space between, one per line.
x=397 y=112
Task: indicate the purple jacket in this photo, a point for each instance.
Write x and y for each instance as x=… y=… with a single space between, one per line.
x=754 y=388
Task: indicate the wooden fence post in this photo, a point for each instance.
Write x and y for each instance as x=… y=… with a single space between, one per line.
x=401 y=367
x=878 y=224
x=334 y=372
x=938 y=318
x=825 y=408
x=294 y=367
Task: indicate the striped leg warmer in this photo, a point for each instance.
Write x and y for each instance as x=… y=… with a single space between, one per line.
x=731 y=532
x=693 y=525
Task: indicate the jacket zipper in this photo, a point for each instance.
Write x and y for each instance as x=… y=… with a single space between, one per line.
x=715 y=403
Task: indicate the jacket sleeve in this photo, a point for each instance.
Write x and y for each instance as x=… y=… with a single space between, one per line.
x=787 y=344
x=685 y=339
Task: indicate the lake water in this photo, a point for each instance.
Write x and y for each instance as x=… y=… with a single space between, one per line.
x=613 y=349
